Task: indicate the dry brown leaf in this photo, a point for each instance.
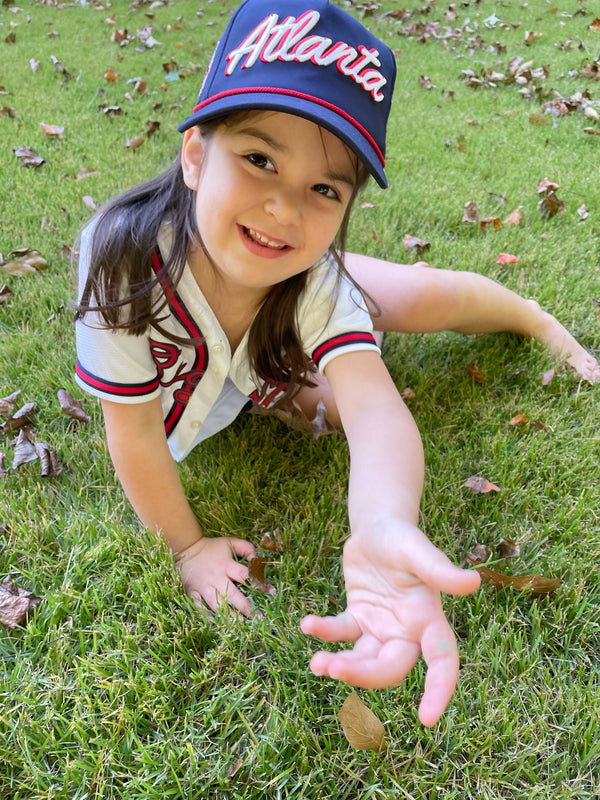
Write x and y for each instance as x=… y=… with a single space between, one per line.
x=412 y=244
x=50 y=467
x=470 y=213
x=536 y=585
x=256 y=576
x=110 y=75
x=272 y=540
x=507 y=548
x=495 y=222
x=7 y=404
x=3 y=472
x=69 y=405
x=53 y=130
x=24 y=448
x=550 y=205
x=595 y=25
x=474 y=372
x=135 y=142
x=478 y=554
x=362 y=728
x=514 y=218
x=15 y=603
x=545 y=186
x=479 y=485
x=408 y=394
x=24 y=261
x=518 y=419
x=28 y=157
x=5 y=293
x=19 y=419
x=507 y=258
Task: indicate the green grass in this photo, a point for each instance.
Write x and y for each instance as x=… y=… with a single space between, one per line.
x=116 y=687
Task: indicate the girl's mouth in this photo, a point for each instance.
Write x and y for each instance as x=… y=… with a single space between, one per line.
x=262 y=240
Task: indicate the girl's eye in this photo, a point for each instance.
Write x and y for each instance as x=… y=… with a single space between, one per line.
x=260 y=161
x=326 y=191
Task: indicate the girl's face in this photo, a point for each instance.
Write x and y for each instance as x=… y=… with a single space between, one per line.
x=272 y=191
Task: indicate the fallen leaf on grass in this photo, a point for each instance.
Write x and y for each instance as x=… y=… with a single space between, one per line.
x=514 y=218
x=7 y=403
x=69 y=405
x=521 y=419
x=24 y=449
x=28 y=157
x=362 y=728
x=50 y=467
x=474 y=372
x=256 y=577
x=507 y=258
x=470 y=213
x=15 y=603
x=19 y=419
x=550 y=205
x=412 y=244
x=536 y=585
x=507 y=548
x=495 y=222
x=272 y=540
x=24 y=261
x=134 y=143
x=5 y=293
x=53 y=130
x=479 y=485
x=3 y=472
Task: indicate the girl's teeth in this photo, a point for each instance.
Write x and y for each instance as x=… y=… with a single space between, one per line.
x=258 y=237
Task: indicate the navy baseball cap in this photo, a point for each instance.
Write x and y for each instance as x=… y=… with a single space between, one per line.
x=308 y=58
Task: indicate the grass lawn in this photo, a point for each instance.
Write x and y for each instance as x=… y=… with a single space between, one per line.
x=115 y=687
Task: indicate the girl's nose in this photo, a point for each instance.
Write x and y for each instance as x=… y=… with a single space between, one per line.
x=285 y=206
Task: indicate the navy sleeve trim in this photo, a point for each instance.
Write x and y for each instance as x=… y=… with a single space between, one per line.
x=343 y=340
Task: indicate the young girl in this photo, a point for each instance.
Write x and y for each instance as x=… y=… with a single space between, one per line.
x=224 y=280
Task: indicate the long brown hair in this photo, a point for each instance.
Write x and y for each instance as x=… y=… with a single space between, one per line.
x=121 y=283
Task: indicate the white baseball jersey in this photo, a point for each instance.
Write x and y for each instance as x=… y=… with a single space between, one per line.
x=204 y=387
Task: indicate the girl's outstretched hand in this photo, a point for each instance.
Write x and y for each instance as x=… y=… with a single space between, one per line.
x=394 y=612
x=210 y=572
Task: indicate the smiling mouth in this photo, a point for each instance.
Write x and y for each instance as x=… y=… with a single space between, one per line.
x=262 y=240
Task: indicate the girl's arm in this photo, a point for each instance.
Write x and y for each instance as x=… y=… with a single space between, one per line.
x=149 y=476
x=393 y=574
x=413 y=299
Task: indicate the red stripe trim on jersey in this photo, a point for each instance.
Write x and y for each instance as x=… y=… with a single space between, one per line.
x=343 y=340
x=301 y=96
x=184 y=317
x=118 y=389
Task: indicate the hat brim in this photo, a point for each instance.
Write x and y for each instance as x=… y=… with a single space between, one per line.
x=319 y=114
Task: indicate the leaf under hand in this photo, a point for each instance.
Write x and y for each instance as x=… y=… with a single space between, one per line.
x=362 y=728
x=256 y=577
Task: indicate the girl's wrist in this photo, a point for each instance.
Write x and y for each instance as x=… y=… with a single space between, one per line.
x=181 y=556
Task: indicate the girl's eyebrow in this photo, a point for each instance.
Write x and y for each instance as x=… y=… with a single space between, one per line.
x=331 y=175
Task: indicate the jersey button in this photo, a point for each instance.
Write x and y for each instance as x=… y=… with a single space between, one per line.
x=218 y=349
x=196 y=424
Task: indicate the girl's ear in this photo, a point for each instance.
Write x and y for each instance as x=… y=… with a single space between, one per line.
x=192 y=152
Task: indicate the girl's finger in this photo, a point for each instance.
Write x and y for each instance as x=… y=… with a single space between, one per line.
x=436 y=570
x=341 y=628
x=242 y=548
x=386 y=668
x=441 y=655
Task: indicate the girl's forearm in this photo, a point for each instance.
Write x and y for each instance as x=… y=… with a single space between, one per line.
x=148 y=474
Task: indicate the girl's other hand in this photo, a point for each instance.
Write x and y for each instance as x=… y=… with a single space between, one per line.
x=394 y=612
x=210 y=573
